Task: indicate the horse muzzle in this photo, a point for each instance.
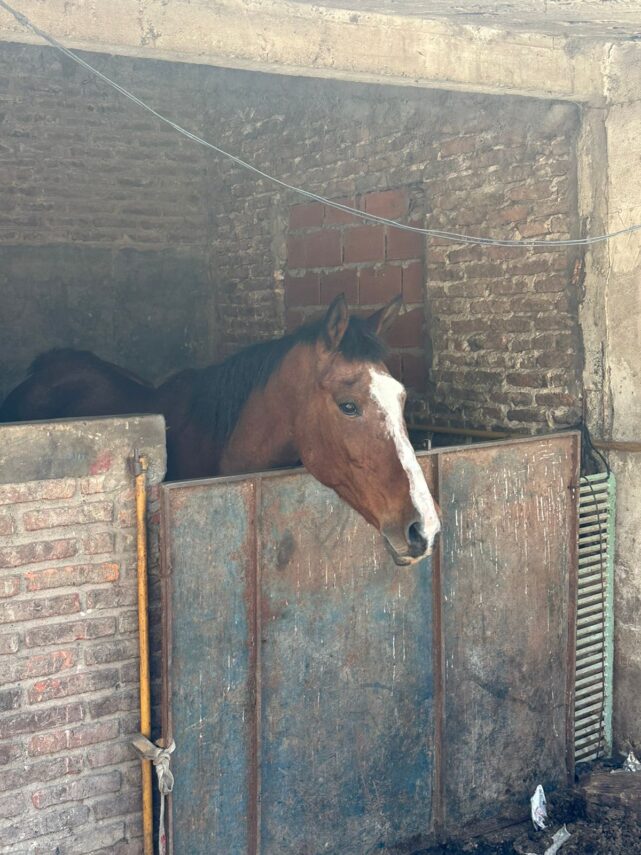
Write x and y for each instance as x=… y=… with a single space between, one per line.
x=410 y=546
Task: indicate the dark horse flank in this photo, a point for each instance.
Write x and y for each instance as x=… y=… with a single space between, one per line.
x=321 y=396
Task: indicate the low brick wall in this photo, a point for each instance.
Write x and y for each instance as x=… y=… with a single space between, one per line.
x=69 y=780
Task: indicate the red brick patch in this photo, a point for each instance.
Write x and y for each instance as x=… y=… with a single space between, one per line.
x=364 y=243
x=333 y=216
x=414 y=282
x=414 y=371
x=379 y=285
x=403 y=245
x=306 y=216
x=315 y=249
x=392 y=204
x=337 y=282
x=302 y=290
x=408 y=330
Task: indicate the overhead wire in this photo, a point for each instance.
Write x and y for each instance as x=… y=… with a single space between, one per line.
x=454 y=237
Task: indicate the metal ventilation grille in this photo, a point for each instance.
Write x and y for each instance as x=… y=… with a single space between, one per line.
x=594 y=632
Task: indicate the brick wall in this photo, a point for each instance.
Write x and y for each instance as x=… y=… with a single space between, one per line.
x=330 y=253
x=69 y=694
x=103 y=217
x=121 y=236
x=501 y=339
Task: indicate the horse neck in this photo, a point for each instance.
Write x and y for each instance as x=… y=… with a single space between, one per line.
x=264 y=436
x=173 y=397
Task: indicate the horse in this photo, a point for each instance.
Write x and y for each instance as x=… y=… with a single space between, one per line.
x=320 y=396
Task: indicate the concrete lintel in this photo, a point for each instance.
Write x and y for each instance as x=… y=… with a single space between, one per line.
x=281 y=37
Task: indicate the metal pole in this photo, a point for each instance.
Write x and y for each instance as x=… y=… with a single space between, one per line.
x=140 y=469
x=624 y=446
x=479 y=434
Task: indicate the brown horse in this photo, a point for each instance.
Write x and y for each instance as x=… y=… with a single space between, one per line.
x=321 y=396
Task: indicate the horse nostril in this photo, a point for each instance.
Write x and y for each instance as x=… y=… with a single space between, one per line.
x=417 y=541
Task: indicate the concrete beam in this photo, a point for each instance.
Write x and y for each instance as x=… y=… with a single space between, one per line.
x=282 y=37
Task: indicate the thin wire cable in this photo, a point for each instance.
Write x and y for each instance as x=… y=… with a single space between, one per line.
x=454 y=237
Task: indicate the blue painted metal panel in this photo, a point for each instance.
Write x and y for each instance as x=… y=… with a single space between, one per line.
x=209 y=561
x=320 y=704
x=335 y=756
x=346 y=674
x=508 y=577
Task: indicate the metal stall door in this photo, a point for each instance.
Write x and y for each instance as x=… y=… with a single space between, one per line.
x=320 y=703
x=299 y=673
x=507 y=613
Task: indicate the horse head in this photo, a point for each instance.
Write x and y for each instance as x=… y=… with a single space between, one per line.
x=350 y=431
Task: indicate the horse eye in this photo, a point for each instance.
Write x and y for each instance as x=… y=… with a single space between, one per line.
x=349 y=408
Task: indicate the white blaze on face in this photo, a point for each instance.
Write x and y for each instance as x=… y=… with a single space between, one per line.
x=388 y=394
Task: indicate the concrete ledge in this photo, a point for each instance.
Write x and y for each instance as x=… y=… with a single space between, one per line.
x=77 y=448
x=283 y=37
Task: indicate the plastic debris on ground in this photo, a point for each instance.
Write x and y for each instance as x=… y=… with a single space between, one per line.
x=539 y=810
x=631 y=764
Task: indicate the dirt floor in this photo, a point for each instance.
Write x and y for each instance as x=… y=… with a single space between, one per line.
x=600 y=830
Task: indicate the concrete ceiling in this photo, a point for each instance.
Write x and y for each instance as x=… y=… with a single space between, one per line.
x=587 y=51
x=599 y=19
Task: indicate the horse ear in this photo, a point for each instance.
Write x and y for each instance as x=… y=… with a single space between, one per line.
x=335 y=323
x=383 y=319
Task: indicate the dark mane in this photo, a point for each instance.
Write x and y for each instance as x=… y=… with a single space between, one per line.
x=221 y=391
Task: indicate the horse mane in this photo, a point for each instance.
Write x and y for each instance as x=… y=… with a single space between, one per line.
x=222 y=390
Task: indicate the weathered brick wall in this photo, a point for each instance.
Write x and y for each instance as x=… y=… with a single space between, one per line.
x=330 y=252
x=501 y=327
x=103 y=216
x=69 y=693
x=137 y=208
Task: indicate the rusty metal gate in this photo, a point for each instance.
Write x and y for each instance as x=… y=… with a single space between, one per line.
x=323 y=700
